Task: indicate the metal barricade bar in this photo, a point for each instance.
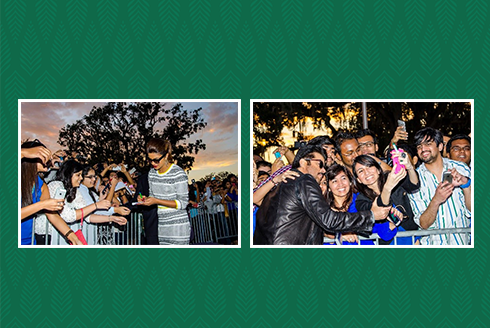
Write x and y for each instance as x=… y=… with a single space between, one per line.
x=410 y=233
x=214 y=225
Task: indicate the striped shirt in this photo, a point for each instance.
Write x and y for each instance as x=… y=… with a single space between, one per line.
x=451 y=214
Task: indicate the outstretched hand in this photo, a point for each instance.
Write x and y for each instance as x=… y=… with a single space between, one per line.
x=400 y=134
x=395 y=178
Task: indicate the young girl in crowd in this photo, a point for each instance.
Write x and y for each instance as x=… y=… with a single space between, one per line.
x=69 y=178
x=35 y=194
x=388 y=189
x=99 y=233
x=168 y=191
x=339 y=194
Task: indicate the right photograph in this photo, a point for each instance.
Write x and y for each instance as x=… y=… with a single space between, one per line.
x=362 y=173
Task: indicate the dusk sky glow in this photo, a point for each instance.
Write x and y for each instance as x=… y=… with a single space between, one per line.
x=43 y=120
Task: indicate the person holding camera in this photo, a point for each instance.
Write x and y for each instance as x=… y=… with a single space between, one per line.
x=69 y=179
x=388 y=189
x=35 y=198
x=297 y=213
x=444 y=198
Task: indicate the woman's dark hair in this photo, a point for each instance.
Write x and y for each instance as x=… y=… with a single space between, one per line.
x=160 y=146
x=28 y=173
x=368 y=161
x=331 y=173
x=65 y=173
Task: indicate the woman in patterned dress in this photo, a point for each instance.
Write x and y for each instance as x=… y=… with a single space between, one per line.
x=169 y=192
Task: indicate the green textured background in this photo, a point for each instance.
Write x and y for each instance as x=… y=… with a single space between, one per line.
x=258 y=49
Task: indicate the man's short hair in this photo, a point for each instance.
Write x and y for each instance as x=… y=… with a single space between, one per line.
x=263 y=163
x=454 y=138
x=307 y=152
x=428 y=134
x=366 y=132
x=340 y=138
x=321 y=141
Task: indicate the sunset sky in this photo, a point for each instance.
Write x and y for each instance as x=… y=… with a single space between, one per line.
x=43 y=120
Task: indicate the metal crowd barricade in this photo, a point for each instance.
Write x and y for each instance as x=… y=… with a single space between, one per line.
x=214 y=225
x=411 y=233
x=130 y=234
x=201 y=225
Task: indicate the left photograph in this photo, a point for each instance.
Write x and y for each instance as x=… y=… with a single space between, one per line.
x=129 y=173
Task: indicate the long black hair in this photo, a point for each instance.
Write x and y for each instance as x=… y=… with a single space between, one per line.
x=28 y=173
x=331 y=173
x=368 y=161
x=65 y=173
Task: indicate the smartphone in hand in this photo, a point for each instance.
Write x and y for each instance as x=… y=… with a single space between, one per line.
x=447 y=176
x=402 y=124
x=60 y=193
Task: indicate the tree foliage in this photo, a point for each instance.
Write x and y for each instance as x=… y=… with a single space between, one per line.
x=328 y=117
x=221 y=175
x=118 y=132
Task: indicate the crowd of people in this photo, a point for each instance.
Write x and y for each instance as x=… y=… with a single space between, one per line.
x=337 y=190
x=60 y=192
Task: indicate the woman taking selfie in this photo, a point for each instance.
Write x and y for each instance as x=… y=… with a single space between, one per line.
x=388 y=189
x=169 y=192
x=339 y=194
x=35 y=194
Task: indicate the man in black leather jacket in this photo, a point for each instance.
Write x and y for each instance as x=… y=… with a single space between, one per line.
x=296 y=212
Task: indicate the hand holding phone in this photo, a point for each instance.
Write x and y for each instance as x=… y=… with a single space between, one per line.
x=397 y=166
x=60 y=193
x=400 y=133
x=403 y=125
x=447 y=176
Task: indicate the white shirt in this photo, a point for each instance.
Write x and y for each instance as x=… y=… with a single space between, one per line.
x=451 y=214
